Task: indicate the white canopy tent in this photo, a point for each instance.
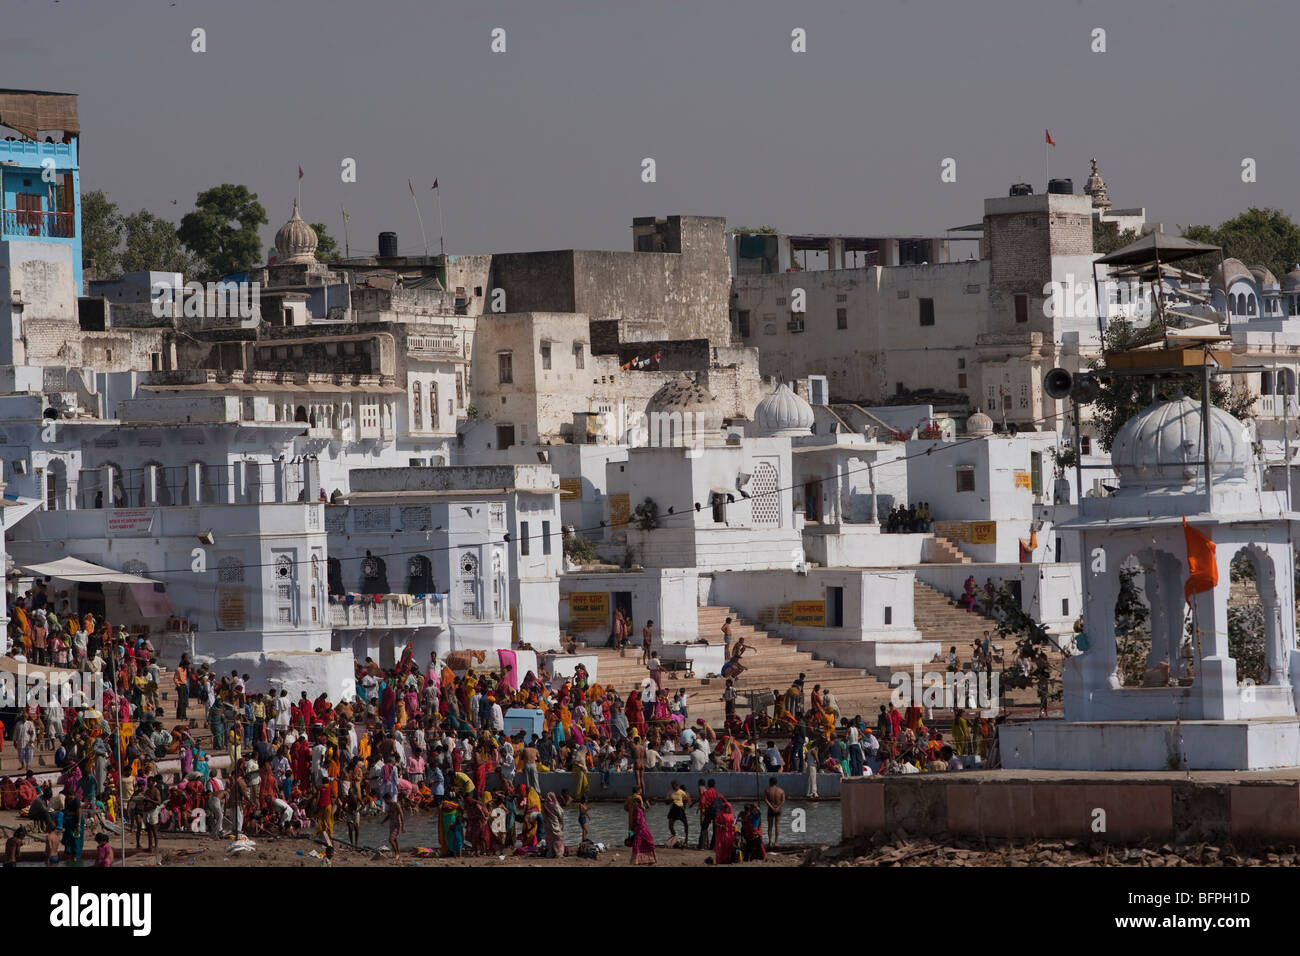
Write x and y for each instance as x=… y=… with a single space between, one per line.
x=75 y=569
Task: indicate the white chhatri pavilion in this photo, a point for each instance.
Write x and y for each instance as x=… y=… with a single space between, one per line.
x=1202 y=717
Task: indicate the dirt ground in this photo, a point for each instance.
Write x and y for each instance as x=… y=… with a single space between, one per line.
x=183 y=849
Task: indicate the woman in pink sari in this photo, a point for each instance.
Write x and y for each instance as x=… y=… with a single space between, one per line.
x=724 y=831
x=643 y=841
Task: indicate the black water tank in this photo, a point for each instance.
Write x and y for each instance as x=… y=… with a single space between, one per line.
x=1021 y=189
x=388 y=245
x=1062 y=187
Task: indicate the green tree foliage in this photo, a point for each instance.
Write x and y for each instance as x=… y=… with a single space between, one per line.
x=1106 y=237
x=101 y=233
x=221 y=232
x=327 y=250
x=1257 y=236
x=152 y=245
x=1123 y=397
x=578 y=549
x=646 y=515
x=1132 y=629
x=1032 y=643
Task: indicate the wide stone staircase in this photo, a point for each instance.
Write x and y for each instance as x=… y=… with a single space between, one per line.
x=773 y=665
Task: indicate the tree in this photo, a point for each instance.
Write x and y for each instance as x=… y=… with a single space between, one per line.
x=1122 y=397
x=1257 y=236
x=222 y=229
x=1106 y=237
x=101 y=233
x=153 y=246
x=1032 y=643
x=326 y=248
x=1132 y=631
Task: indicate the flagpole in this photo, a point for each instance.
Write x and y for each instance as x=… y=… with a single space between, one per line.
x=347 y=254
x=420 y=216
x=442 y=243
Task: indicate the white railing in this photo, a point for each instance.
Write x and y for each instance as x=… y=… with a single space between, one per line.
x=1270 y=406
x=426 y=613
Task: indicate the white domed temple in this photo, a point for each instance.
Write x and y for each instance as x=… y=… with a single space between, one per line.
x=1200 y=716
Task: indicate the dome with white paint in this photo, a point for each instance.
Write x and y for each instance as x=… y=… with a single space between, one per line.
x=1160 y=448
x=783 y=413
x=979 y=424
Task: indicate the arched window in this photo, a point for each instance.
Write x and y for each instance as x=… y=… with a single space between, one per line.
x=334 y=569
x=1250 y=304
x=417 y=408
x=419 y=574
x=433 y=405
x=374 y=575
x=301 y=414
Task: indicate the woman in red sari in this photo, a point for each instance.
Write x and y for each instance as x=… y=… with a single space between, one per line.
x=478 y=824
x=633 y=711
x=724 y=831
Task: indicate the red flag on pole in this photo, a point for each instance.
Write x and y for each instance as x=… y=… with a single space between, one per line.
x=435 y=184
x=300 y=172
x=1204 y=570
x=1050 y=141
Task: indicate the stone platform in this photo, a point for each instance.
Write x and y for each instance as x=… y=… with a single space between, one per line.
x=1168 y=806
x=1261 y=743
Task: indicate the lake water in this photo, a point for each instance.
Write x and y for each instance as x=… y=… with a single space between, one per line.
x=802 y=822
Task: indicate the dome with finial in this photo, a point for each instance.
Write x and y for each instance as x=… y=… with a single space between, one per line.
x=783 y=413
x=979 y=425
x=1160 y=448
x=1096 y=188
x=1291 y=281
x=296 y=240
x=1264 y=277
x=683 y=410
x=1235 y=269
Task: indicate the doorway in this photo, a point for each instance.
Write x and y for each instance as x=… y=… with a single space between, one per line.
x=623 y=602
x=835 y=607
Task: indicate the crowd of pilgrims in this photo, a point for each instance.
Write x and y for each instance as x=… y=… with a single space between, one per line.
x=427 y=740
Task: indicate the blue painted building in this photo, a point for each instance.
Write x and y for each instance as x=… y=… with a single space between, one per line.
x=40 y=175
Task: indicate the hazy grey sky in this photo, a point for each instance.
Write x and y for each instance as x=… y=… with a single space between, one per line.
x=540 y=147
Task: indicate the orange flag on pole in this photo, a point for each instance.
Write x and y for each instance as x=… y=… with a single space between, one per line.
x=1204 y=570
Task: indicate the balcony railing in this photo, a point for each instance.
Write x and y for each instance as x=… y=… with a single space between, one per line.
x=1270 y=406
x=30 y=222
x=389 y=613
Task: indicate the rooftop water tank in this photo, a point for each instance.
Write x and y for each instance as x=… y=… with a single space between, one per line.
x=388 y=245
x=1062 y=187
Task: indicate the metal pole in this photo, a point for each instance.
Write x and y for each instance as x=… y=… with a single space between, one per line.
x=1078 y=458
x=1286 y=434
x=1205 y=430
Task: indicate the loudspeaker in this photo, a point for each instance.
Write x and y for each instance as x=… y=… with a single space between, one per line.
x=1057 y=382
x=1085 y=389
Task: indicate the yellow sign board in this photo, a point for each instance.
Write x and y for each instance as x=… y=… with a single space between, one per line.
x=570 y=487
x=808 y=613
x=1025 y=480
x=984 y=532
x=589 y=611
x=619 y=509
